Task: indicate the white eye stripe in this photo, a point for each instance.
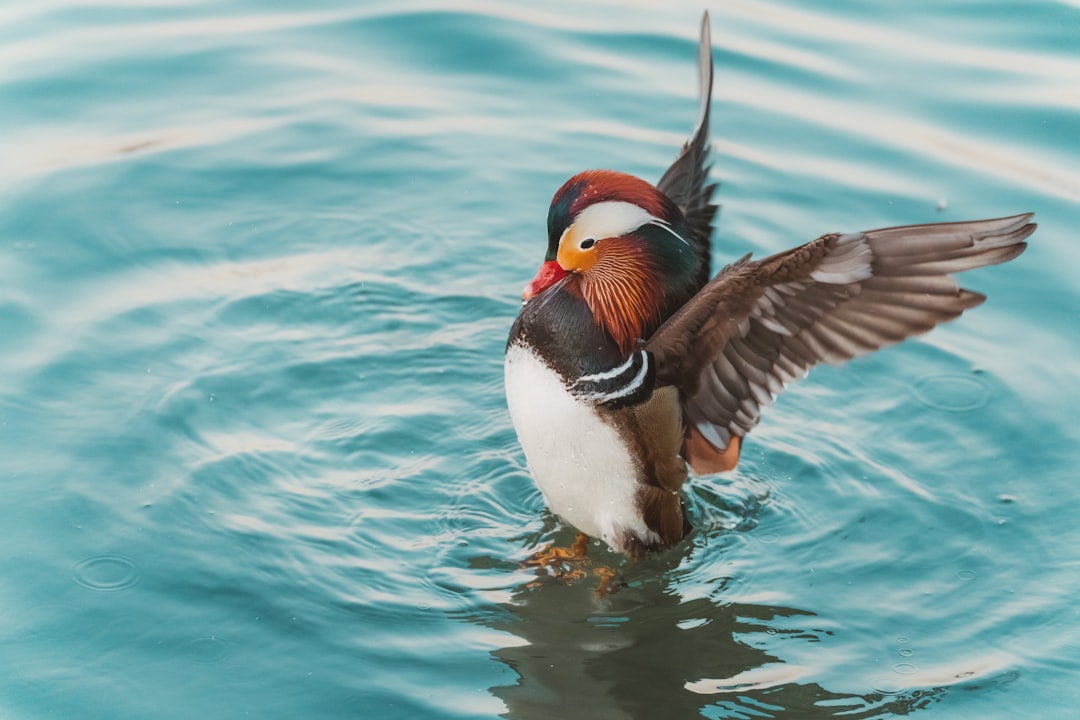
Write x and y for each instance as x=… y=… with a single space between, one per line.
x=664 y=226
x=609 y=219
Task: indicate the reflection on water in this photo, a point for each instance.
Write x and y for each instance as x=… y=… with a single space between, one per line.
x=645 y=651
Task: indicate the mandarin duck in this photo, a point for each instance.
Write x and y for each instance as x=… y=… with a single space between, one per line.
x=627 y=365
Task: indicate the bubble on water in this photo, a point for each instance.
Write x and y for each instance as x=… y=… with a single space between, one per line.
x=966 y=575
x=905 y=668
x=207 y=649
x=768 y=537
x=906 y=652
x=107 y=572
x=952 y=392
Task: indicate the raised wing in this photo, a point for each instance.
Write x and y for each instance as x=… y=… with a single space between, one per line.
x=757 y=326
x=686 y=181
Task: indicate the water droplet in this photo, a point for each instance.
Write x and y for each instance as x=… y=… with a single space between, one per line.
x=905 y=668
x=906 y=652
x=107 y=572
x=942 y=204
x=952 y=392
x=207 y=649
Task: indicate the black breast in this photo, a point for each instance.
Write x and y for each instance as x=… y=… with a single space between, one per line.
x=558 y=326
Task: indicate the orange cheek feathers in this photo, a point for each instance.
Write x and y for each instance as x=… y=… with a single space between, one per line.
x=573 y=258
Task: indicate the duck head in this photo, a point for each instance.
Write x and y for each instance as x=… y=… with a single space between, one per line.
x=620 y=244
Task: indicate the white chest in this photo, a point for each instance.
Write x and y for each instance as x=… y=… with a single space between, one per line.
x=581 y=464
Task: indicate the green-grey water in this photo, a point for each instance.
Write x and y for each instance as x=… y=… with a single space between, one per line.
x=258 y=261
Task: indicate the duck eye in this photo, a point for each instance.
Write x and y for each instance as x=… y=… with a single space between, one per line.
x=587 y=243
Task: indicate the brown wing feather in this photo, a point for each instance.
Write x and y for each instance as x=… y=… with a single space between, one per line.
x=686 y=181
x=757 y=326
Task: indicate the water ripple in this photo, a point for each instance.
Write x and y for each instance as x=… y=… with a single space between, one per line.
x=107 y=573
x=952 y=392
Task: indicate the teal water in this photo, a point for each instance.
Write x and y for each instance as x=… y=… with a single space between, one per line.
x=257 y=266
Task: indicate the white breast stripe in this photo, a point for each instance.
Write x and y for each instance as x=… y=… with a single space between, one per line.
x=635 y=384
x=600 y=394
x=608 y=374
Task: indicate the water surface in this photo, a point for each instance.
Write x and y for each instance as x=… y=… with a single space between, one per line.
x=257 y=266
